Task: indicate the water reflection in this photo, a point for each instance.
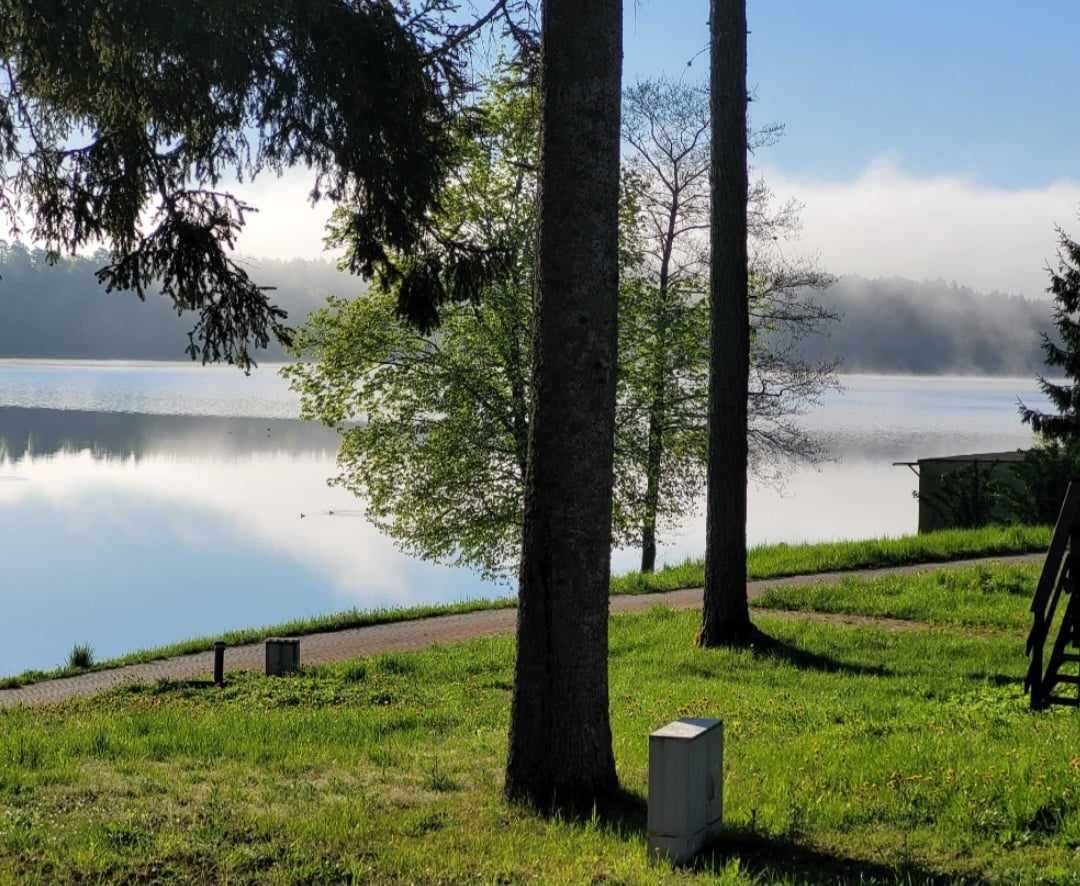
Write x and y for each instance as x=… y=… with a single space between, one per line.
x=34 y=433
x=128 y=530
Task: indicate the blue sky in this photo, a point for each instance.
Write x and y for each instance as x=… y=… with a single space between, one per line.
x=980 y=89
x=928 y=140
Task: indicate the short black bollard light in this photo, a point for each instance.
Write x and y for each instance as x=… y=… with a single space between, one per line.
x=219 y=664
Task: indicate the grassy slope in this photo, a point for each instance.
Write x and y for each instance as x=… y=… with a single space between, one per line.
x=851 y=753
x=983 y=596
x=767 y=561
x=774 y=561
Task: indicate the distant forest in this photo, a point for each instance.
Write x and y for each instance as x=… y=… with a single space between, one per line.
x=932 y=328
x=62 y=311
x=886 y=325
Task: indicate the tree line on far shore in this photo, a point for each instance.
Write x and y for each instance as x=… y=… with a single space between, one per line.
x=884 y=325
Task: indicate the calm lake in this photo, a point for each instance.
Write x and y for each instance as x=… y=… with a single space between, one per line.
x=146 y=503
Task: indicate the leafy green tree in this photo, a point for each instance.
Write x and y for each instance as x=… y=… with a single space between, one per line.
x=119 y=120
x=434 y=426
x=1065 y=287
x=664 y=321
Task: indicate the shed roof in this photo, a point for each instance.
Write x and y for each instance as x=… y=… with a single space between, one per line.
x=1010 y=455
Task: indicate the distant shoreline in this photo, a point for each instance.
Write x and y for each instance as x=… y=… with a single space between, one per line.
x=138 y=363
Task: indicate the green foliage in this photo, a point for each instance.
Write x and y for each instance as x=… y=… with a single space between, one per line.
x=1065 y=357
x=971 y=496
x=851 y=755
x=1044 y=475
x=434 y=427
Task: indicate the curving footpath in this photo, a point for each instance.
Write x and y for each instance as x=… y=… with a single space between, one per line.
x=406 y=636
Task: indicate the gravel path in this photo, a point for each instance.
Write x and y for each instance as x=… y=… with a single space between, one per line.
x=410 y=635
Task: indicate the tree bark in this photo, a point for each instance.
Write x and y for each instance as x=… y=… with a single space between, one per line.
x=655 y=454
x=654 y=462
x=560 y=751
x=726 y=612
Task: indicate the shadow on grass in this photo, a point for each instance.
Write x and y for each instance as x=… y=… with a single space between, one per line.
x=766 y=859
x=995 y=679
x=767 y=647
x=172 y=687
x=781 y=650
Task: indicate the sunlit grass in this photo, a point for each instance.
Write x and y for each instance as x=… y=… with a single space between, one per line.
x=777 y=560
x=995 y=596
x=851 y=753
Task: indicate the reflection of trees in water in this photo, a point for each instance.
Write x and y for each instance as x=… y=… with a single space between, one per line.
x=40 y=432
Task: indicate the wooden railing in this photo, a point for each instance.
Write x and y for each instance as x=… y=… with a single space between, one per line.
x=1060 y=578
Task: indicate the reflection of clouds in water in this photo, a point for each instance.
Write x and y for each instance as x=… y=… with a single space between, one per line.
x=857 y=492
x=833 y=501
x=258 y=499
x=135 y=529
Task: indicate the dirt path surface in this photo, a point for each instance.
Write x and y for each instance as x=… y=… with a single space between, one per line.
x=410 y=635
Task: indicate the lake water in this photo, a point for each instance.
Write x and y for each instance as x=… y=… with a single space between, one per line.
x=146 y=503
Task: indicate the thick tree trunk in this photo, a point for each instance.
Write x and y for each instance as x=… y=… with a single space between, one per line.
x=560 y=736
x=726 y=613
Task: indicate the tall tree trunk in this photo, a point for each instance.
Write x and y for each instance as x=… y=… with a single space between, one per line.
x=726 y=613
x=560 y=734
x=655 y=456
x=654 y=459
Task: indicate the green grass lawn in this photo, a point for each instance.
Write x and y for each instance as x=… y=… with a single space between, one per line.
x=992 y=596
x=777 y=560
x=853 y=754
x=767 y=561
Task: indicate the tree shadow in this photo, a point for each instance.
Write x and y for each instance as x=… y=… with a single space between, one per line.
x=995 y=679
x=782 y=650
x=767 y=647
x=168 y=686
x=766 y=859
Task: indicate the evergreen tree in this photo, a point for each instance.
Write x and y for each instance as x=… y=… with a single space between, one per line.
x=1065 y=287
x=121 y=120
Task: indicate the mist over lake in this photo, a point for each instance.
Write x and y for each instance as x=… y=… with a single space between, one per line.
x=147 y=503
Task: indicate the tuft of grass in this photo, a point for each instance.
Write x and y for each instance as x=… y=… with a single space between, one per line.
x=851 y=754
x=81 y=657
x=766 y=561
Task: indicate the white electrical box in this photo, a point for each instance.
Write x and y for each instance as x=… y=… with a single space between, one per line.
x=686 y=787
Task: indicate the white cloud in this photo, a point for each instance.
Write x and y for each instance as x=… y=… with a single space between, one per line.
x=888 y=222
x=286 y=225
x=885 y=222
